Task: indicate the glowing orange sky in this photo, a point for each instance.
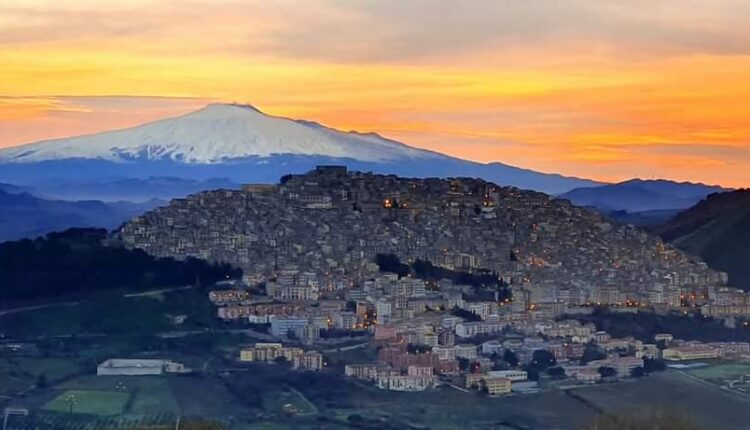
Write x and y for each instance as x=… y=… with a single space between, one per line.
x=605 y=90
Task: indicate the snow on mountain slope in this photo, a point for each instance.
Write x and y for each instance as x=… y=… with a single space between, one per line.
x=215 y=134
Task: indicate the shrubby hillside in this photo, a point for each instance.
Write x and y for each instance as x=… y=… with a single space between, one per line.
x=81 y=261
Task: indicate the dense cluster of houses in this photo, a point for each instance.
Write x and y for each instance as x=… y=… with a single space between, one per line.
x=308 y=249
x=321 y=231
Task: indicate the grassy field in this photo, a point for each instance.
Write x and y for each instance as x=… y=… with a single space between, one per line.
x=149 y=394
x=288 y=402
x=275 y=397
x=271 y=396
x=719 y=373
x=709 y=406
x=10 y=385
x=21 y=373
x=100 y=403
x=31 y=367
x=155 y=397
x=344 y=402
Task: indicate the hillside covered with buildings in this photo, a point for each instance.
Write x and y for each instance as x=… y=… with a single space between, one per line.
x=321 y=231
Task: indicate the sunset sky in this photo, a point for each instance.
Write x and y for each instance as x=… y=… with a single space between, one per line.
x=591 y=88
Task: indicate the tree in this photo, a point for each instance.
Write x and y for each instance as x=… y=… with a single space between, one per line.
x=417 y=349
x=592 y=353
x=391 y=263
x=84 y=261
x=466 y=315
x=41 y=381
x=638 y=372
x=651 y=365
x=510 y=357
x=607 y=372
x=556 y=372
x=532 y=373
x=645 y=325
x=464 y=363
x=543 y=359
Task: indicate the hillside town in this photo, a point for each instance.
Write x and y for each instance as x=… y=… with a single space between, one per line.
x=454 y=281
x=320 y=233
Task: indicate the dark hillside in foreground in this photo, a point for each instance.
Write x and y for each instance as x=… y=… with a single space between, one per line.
x=717 y=229
x=78 y=261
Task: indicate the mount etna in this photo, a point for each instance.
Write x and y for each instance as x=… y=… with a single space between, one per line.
x=232 y=143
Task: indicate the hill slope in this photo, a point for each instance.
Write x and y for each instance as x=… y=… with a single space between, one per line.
x=77 y=261
x=334 y=224
x=717 y=229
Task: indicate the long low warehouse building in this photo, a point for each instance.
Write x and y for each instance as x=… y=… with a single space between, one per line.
x=137 y=366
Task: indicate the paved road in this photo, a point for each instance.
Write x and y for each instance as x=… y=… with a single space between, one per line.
x=347 y=348
x=158 y=292
x=34 y=308
x=21 y=309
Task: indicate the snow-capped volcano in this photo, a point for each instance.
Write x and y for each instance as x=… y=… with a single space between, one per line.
x=217 y=133
x=230 y=144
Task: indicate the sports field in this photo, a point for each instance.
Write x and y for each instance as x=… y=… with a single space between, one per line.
x=101 y=403
x=722 y=372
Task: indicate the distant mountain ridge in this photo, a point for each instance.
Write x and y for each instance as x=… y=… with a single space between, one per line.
x=717 y=229
x=23 y=215
x=639 y=195
x=12 y=189
x=242 y=145
x=131 y=189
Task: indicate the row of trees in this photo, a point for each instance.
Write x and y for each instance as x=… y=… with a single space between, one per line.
x=79 y=260
x=422 y=269
x=644 y=325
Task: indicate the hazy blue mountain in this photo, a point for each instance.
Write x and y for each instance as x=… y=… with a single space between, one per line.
x=128 y=189
x=238 y=144
x=23 y=215
x=13 y=189
x=644 y=219
x=640 y=195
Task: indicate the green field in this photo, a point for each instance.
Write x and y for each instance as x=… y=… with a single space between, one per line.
x=271 y=396
x=154 y=397
x=256 y=395
x=100 y=403
x=149 y=394
x=288 y=402
x=19 y=374
x=721 y=372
